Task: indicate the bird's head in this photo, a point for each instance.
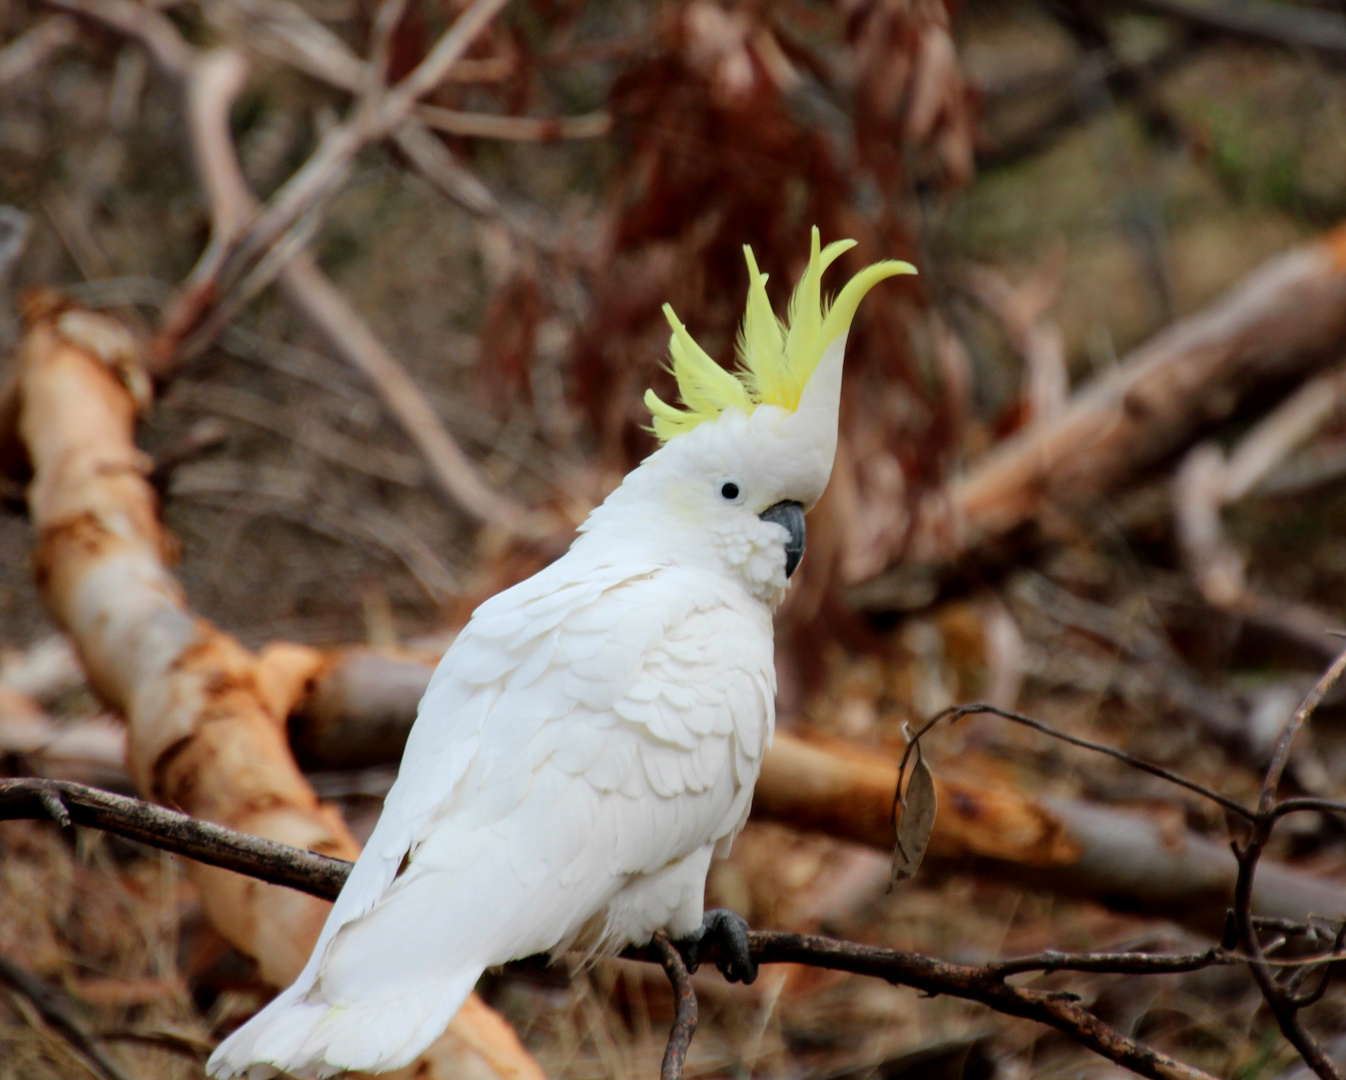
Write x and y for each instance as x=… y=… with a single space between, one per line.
x=748 y=451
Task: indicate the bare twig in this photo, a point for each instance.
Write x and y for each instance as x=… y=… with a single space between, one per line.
x=1281 y=756
x=1303 y=29
x=517 y=128
x=243 y=261
x=386 y=19
x=1209 y=480
x=957 y=712
x=170 y=830
x=29 y=52
x=306 y=284
x=213 y=80
x=376 y=115
x=973 y=983
x=56 y=1010
x=1280 y=999
x=684 y=1007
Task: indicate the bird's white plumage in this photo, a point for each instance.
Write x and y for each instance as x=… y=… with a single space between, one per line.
x=592 y=738
x=583 y=747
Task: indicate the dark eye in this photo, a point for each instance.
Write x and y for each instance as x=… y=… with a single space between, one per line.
x=729 y=490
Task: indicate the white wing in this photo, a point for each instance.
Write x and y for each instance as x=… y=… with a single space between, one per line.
x=590 y=725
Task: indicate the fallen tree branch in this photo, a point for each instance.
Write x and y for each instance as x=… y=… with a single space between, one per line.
x=1285 y=320
x=1208 y=480
x=203 y=713
x=246 y=263
x=212 y=81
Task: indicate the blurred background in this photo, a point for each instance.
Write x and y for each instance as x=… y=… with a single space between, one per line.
x=1085 y=188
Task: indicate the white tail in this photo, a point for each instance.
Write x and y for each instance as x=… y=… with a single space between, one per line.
x=305 y=1036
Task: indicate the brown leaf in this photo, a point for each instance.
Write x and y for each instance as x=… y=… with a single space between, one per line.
x=918 y=819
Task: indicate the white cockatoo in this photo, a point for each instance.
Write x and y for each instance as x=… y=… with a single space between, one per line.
x=591 y=739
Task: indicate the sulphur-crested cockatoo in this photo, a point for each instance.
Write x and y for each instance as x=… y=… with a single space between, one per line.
x=591 y=739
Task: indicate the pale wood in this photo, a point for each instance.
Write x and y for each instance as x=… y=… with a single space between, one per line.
x=1287 y=319
x=205 y=716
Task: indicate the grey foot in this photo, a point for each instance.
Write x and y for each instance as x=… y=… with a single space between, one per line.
x=729 y=931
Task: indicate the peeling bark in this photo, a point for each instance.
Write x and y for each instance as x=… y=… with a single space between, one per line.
x=205 y=716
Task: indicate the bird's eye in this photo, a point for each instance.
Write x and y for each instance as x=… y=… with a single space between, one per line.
x=729 y=490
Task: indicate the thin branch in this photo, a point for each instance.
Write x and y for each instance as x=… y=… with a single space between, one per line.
x=1280 y=1000
x=684 y=1007
x=973 y=983
x=386 y=21
x=957 y=712
x=56 y=1010
x=519 y=128
x=321 y=876
x=1111 y=963
x=168 y=830
x=213 y=80
x=1308 y=803
x=1281 y=756
x=27 y=53
x=1302 y=29
x=375 y=116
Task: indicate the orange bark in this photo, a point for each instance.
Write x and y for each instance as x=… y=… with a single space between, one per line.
x=847 y=792
x=205 y=715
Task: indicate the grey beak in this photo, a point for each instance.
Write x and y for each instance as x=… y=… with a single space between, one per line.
x=789 y=515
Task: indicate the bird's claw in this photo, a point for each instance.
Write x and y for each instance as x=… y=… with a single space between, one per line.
x=729 y=931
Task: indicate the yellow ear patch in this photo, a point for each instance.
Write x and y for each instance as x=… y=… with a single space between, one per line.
x=776 y=358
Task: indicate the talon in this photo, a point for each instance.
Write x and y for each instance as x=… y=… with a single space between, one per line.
x=729 y=930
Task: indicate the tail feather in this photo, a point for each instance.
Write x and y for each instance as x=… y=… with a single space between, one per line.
x=305 y=1036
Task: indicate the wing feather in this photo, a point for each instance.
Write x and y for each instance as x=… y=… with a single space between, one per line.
x=577 y=735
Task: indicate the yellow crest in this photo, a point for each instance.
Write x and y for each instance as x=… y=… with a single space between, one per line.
x=777 y=358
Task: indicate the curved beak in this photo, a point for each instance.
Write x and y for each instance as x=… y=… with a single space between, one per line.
x=789 y=515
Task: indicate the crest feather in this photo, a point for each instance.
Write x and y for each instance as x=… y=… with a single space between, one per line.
x=776 y=358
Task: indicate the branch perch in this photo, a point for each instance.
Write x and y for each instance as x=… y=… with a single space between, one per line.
x=982 y=983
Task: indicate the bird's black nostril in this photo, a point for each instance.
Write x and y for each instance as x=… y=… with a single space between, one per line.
x=789 y=515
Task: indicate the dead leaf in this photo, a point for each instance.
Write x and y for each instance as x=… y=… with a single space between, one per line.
x=916 y=823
